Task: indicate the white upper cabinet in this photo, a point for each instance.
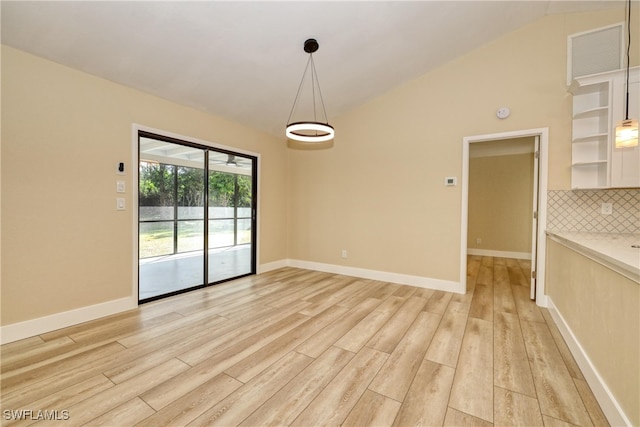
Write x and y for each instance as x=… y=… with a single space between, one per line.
x=598 y=104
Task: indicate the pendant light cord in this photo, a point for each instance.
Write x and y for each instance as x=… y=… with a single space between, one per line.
x=314 y=82
x=295 y=101
x=628 y=56
x=324 y=110
x=313 y=87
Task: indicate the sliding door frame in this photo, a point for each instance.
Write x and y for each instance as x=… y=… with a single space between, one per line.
x=144 y=131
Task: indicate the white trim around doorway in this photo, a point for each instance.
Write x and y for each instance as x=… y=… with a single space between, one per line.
x=543 y=134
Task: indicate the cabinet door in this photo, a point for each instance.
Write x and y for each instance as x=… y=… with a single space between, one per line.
x=625 y=162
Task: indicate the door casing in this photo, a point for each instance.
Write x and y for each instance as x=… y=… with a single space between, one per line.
x=539 y=265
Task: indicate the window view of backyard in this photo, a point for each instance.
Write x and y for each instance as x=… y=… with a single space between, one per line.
x=171 y=202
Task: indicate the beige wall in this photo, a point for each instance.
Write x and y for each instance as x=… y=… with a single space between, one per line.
x=379 y=192
x=501 y=203
x=600 y=307
x=63 y=133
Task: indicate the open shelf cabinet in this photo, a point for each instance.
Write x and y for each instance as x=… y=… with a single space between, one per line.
x=597 y=106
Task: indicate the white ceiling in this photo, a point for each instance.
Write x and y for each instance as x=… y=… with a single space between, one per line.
x=244 y=60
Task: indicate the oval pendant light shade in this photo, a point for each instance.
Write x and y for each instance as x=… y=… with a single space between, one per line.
x=310 y=131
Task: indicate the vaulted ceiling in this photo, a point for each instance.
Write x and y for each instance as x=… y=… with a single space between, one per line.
x=244 y=60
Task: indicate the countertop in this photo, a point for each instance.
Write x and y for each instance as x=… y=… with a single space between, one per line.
x=613 y=250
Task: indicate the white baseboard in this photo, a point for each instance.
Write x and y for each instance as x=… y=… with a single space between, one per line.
x=612 y=410
x=499 y=254
x=41 y=325
x=402 y=279
x=542 y=301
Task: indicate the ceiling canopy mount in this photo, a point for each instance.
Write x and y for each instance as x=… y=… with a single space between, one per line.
x=311 y=46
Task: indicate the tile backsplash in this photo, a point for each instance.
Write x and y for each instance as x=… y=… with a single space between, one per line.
x=579 y=210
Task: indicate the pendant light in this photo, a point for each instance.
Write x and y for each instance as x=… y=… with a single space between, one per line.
x=627 y=130
x=310 y=131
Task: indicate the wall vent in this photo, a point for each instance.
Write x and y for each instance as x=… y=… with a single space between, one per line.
x=595 y=51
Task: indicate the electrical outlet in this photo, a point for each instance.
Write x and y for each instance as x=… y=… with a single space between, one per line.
x=478 y=241
x=606 y=209
x=344 y=253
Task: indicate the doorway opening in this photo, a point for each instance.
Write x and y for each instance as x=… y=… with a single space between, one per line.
x=196 y=215
x=490 y=224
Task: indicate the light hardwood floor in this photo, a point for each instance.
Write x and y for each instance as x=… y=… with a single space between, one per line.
x=297 y=347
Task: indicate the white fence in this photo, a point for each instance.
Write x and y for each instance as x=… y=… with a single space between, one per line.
x=155 y=213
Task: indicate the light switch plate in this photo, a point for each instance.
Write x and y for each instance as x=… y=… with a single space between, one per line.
x=120 y=206
x=120 y=187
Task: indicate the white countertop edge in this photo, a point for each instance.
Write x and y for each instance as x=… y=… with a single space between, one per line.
x=621 y=267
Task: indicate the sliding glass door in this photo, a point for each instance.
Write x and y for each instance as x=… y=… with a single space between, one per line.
x=193 y=197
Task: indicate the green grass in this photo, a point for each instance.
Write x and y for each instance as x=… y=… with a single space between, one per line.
x=156 y=239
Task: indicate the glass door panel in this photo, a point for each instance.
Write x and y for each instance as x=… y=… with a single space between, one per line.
x=171 y=218
x=231 y=207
